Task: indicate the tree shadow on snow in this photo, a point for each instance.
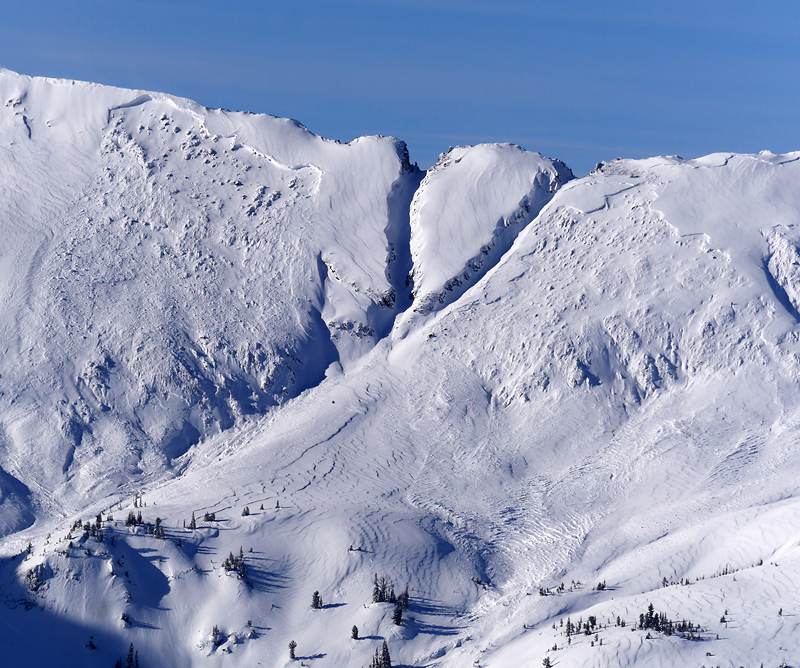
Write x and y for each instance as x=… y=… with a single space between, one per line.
x=136 y=624
x=428 y=606
x=266 y=581
x=191 y=550
x=420 y=627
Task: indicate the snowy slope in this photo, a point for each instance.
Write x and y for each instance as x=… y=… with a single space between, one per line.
x=169 y=269
x=468 y=210
x=610 y=398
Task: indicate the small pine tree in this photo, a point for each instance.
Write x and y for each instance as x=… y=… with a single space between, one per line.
x=386 y=660
x=404 y=598
x=193 y=522
x=316 y=601
x=546 y=662
x=262 y=507
x=397 y=615
x=376 y=590
x=354 y=632
x=292 y=648
x=246 y=511
x=129 y=663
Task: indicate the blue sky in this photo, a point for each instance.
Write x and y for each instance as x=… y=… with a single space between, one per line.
x=580 y=81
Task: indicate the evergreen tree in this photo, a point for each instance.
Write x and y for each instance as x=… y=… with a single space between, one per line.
x=237 y=564
x=386 y=660
x=193 y=523
x=354 y=632
x=404 y=598
x=292 y=648
x=246 y=511
x=316 y=601
x=376 y=590
x=129 y=663
x=397 y=615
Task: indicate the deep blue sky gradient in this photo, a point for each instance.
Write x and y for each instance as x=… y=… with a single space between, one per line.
x=581 y=81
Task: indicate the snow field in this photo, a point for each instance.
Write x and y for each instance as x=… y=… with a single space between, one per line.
x=211 y=308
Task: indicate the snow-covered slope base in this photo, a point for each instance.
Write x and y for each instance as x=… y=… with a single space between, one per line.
x=602 y=417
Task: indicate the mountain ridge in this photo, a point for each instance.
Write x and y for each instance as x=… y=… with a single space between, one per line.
x=211 y=321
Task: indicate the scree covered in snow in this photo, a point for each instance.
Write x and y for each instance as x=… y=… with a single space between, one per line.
x=268 y=399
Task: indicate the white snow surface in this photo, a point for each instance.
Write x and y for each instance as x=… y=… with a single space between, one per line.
x=611 y=398
x=467 y=211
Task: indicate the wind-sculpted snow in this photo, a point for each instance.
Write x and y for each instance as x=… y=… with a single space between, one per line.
x=468 y=210
x=603 y=416
x=169 y=269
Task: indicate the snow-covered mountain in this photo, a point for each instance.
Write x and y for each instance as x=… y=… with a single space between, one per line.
x=143 y=310
x=539 y=402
